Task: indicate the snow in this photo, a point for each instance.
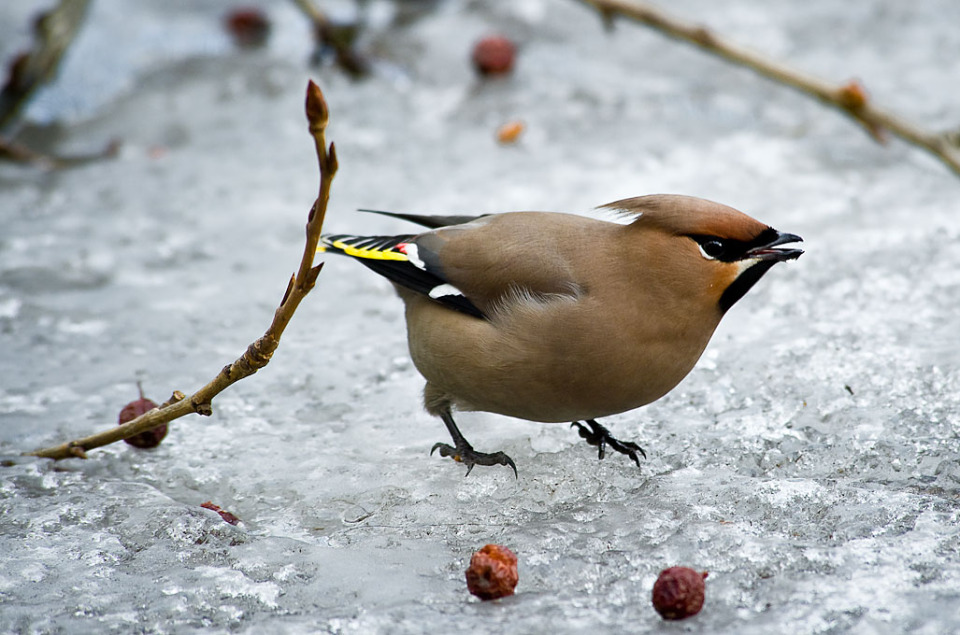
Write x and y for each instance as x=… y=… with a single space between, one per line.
x=810 y=463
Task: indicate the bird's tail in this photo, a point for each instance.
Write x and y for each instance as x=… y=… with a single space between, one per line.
x=364 y=247
x=397 y=260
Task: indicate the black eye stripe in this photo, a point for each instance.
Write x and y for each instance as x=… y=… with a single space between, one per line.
x=731 y=249
x=724 y=249
x=713 y=248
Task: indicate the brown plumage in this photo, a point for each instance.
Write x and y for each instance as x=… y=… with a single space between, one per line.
x=561 y=318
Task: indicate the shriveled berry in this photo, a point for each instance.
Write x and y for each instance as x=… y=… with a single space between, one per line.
x=249 y=27
x=510 y=132
x=492 y=573
x=678 y=593
x=494 y=55
x=149 y=438
x=224 y=514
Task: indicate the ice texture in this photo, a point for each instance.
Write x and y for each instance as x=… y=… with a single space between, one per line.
x=810 y=463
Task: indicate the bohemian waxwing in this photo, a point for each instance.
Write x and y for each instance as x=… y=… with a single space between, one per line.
x=562 y=318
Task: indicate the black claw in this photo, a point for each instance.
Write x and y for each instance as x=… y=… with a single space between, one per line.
x=592 y=438
x=599 y=436
x=627 y=447
x=509 y=462
x=470 y=457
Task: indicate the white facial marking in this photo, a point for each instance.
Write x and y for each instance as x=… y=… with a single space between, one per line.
x=746 y=263
x=704 y=253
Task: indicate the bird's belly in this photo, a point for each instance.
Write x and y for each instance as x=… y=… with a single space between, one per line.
x=581 y=388
x=580 y=370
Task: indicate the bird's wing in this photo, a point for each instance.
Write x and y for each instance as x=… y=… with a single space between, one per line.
x=481 y=267
x=430 y=222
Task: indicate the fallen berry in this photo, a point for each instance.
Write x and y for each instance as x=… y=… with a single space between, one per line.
x=493 y=55
x=510 y=132
x=492 y=573
x=149 y=438
x=224 y=514
x=249 y=27
x=678 y=593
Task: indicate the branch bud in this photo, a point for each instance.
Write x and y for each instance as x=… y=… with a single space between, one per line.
x=332 y=163
x=852 y=95
x=316 y=107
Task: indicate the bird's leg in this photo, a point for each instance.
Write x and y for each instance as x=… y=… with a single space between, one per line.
x=599 y=436
x=463 y=452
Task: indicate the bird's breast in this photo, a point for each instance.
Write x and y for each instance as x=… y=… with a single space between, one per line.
x=560 y=361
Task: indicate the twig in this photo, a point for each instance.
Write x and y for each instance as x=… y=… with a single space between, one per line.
x=19 y=153
x=338 y=38
x=259 y=353
x=53 y=32
x=849 y=98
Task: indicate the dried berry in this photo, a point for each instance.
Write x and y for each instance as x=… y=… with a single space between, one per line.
x=149 y=438
x=492 y=573
x=249 y=27
x=493 y=55
x=224 y=514
x=510 y=132
x=678 y=593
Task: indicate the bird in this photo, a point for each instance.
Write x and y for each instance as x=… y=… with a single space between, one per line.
x=563 y=318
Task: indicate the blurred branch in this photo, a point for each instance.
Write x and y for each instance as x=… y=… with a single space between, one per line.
x=53 y=32
x=849 y=98
x=259 y=353
x=337 y=37
x=19 y=153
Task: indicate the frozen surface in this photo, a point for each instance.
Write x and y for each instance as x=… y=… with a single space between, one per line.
x=811 y=462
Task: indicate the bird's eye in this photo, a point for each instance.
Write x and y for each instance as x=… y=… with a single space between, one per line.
x=711 y=248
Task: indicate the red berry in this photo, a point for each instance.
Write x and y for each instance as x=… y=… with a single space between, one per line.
x=492 y=573
x=149 y=438
x=493 y=55
x=224 y=514
x=678 y=593
x=249 y=27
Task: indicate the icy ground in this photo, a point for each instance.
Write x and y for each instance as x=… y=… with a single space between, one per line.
x=810 y=463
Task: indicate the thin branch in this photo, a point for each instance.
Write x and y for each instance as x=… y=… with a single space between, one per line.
x=258 y=354
x=850 y=98
x=53 y=32
x=338 y=38
x=19 y=153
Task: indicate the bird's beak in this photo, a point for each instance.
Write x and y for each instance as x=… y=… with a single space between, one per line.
x=770 y=252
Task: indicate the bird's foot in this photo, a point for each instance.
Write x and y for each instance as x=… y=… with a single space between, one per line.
x=464 y=453
x=599 y=436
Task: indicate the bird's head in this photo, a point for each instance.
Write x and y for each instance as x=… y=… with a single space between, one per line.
x=722 y=251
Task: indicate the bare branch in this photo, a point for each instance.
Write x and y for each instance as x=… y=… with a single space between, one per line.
x=19 y=153
x=849 y=98
x=338 y=38
x=53 y=32
x=258 y=354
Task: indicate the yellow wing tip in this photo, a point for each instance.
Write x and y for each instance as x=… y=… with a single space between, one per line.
x=368 y=254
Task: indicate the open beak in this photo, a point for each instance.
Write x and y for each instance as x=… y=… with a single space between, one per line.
x=770 y=251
